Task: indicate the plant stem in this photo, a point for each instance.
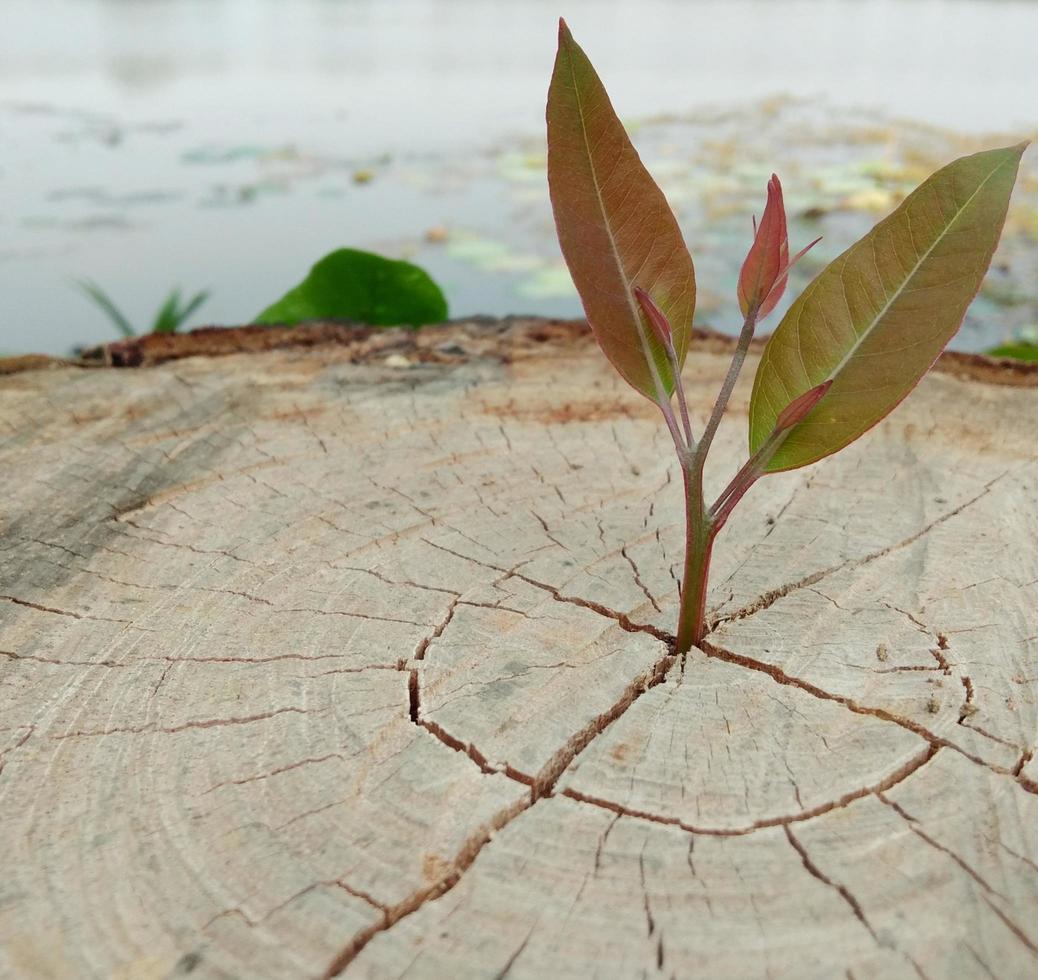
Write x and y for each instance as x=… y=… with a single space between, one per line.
x=725 y=504
x=741 y=482
x=752 y=470
x=675 y=433
x=679 y=388
x=701 y=525
x=663 y=399
x=743 y=345
x=699 y=541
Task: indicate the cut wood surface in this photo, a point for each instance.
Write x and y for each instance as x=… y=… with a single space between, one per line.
x=353 y=659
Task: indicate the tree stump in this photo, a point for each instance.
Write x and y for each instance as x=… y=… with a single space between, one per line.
x=351 y=657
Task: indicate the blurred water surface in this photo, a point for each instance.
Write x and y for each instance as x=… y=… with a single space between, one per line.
x=230 y=143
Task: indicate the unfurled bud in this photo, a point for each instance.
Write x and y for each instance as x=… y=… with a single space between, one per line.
x=762 y=280
x=800 y=407
x=657 y=320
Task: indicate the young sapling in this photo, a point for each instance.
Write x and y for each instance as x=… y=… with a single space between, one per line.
x=850 y=347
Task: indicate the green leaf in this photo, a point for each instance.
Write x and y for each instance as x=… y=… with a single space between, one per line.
x=352 y=285
x=172 y=316
x=874 y=321
x=1019 y=352
x=107 y=304
x=193 y=304
x=615 y=226
x=166 y=320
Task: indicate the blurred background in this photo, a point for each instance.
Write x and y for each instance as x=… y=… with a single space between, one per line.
x=226 y=145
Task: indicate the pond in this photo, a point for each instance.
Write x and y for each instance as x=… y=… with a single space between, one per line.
x=228 y=144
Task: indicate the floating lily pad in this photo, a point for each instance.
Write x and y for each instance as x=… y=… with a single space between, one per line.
x=522 y=168
x=548 y=283
x=1019 y=352
x=349 y=284
x=489 y=254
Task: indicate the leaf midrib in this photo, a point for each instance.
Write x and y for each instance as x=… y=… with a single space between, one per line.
x=834 y=373
x=661 y=390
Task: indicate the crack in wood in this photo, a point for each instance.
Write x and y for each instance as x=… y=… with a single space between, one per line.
x=988 y=890
x=769 y=598
x=817 y=872
x=899 y=775
x=32 y=658
x=29 y=729
x=997 y=739
x=194 y=549
x=540 y=786
x=189 y=725
x=274 y=772
x=638 y=580
x=1020 y=857
x=252 y=923
x=620 y=618
x=61 y=612
x=423 y=645
x=462 y=861
x=375 y=573
x=650 y=919
x=359 y=893
x=456 y=744
x=547 y=533
x=778 y=675
x=511 y=961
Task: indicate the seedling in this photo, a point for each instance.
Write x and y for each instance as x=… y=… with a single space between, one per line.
x=850 y=348
x=169 y=318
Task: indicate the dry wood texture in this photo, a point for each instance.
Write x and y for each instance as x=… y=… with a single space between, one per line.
x=353 y=660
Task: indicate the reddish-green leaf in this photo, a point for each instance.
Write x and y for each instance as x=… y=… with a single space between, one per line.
x=615 y=226
x=875 y=320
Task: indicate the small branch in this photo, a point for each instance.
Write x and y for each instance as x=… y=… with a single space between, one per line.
x=720 y=517
x=661 y=327
x=662 y=398
x=679 y=387
x=752 y=470
x=680 y=445
x=790 y=417
x=742 y=481
x=745 y=336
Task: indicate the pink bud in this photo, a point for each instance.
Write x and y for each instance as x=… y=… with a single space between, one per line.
x=768 y=254
x=657 y=320
x=800 y=407
x=762 y=280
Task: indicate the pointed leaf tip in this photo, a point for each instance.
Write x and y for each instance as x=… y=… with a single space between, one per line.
x=615 y=228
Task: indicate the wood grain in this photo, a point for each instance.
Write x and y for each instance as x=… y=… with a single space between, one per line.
x=352 y=659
